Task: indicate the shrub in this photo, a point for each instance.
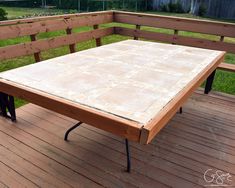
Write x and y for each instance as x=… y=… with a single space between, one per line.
x=164 y=8
x=172 y=7
x=202 y=10
x=3 y=14
x=176 y=7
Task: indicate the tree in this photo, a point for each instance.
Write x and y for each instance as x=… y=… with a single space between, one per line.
x=198 y=7
x=194 y=5
x=3 y=14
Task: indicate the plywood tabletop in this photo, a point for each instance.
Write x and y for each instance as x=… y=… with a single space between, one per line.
x=131 y=79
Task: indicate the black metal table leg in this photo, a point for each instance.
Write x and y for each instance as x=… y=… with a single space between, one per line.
x=181 y=110
x=11 y=108
x=3 y=104
x=7 y=105
x=69 y=130
x=209 y=82
x=128 y=156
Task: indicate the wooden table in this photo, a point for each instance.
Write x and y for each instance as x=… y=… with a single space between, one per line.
x=130 y=88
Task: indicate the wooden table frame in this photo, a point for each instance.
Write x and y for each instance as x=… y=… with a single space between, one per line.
x=108 y=122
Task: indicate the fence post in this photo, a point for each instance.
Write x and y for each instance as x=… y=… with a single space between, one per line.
x=176 y=32
x=36 y=55
x=98 y=40
x=72 y=47
x=137 y=27
x=221 y=38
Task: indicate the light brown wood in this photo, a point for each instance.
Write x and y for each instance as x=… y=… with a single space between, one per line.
x=227 y=67
x=177 y=39
x=19 y=30
x=119 y=126
x=152 y=128
x=176 y=23
x=42 y=45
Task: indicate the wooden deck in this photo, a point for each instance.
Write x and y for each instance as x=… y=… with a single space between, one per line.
x=33 y=153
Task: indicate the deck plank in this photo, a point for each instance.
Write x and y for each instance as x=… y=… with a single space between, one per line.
x=27 y=169
x=42 y=161
x=33 y=153
x=10 y=178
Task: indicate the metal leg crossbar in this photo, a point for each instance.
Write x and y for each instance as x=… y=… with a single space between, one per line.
x=7 y=106
x=126 y=141
x=209 y=82
x=70 y=129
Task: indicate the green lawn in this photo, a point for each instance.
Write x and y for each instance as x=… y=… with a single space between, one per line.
x=224 y=81
x=17 y=12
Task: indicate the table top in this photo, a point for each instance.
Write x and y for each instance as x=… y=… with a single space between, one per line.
x=131 y=79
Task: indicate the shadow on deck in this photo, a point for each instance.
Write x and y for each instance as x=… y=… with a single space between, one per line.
x=33 y=153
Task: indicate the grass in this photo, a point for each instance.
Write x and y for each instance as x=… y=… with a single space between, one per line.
x=17 y=12
x=224 y=81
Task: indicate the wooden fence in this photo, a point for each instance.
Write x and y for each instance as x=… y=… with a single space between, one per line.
x=32 y=27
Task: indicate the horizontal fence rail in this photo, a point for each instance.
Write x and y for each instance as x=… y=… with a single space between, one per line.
x=227 y=67
x=176 y=39
x=43 y=18
x=13 y=31
x=176 y=23
x=33 y=26
x=46 y=44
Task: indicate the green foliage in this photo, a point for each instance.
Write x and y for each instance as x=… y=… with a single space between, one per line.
x=83 y=5
x=164 y=8
x=176 y=7
x=172 y=7
x=3 y=14
x=202 y=10
x=31 y=3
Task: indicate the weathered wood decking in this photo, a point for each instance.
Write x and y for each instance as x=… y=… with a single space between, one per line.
x=33 y=153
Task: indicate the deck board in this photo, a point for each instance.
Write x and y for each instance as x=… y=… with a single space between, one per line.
x=33 y=153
